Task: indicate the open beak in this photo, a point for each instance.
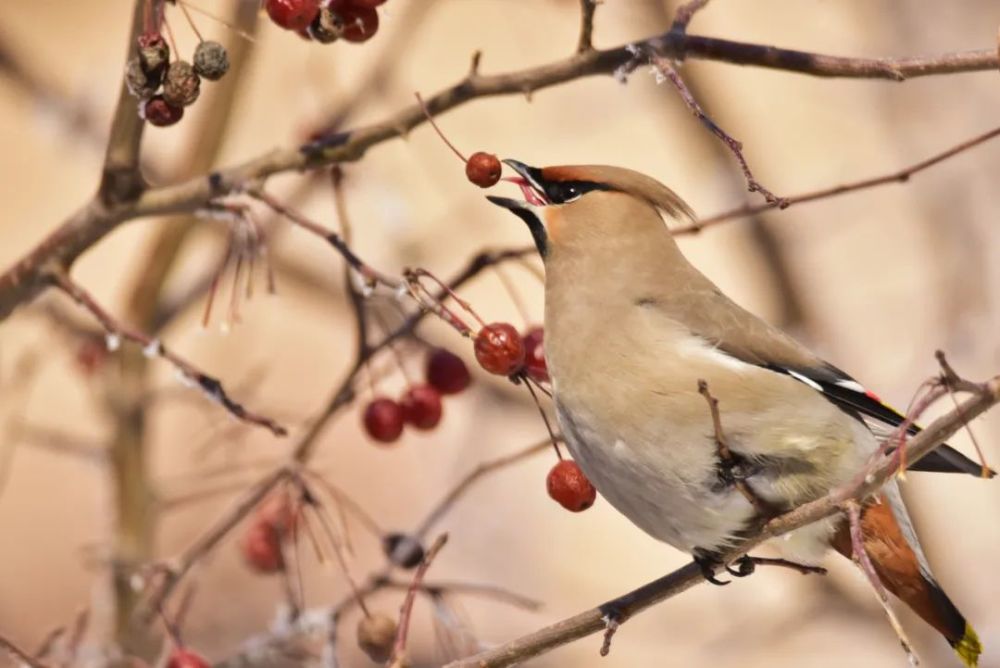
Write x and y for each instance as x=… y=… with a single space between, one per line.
x=528 y=180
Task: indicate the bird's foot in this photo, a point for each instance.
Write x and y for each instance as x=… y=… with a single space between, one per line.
x=709 y=563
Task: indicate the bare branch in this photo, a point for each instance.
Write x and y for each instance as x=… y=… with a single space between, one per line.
x=398 y=659
x=686 y=12
x=585 y=41
x=900 y=176
x=19 y=654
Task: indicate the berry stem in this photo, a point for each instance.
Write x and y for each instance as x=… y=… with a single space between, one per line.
x=392 y=347
x=430 y=119
x=545 y=418
x=420 y=273
x=513 y=293
x=195 y=8
x=170 y=36
x=190 y=21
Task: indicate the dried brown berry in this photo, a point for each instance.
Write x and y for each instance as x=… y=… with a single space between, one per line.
x=142 y=86
x=181 y=85
x=483 y=169
x=211 y=60
x=154 y=54
x=376 y=636
x=327 y=27
x=499 y=348
x=159 y=112
x=568 y=485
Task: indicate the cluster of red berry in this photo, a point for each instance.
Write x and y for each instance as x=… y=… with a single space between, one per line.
x=273 y=523
x=501 y=350
x=420 y=406
x=164 y=88
x=326 y=21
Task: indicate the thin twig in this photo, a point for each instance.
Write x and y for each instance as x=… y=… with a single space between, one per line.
x=19 y=654
x=585 y=42
x=686 y=12
x=398 y=659
x=899 y=176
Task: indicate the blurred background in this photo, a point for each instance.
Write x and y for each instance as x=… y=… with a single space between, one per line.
x=875 y=281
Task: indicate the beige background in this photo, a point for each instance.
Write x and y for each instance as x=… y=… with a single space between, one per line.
x=882 y=278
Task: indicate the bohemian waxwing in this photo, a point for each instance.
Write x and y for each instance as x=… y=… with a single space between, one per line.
x=631 y=328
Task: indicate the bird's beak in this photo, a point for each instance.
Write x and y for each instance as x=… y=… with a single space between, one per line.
x=528 y=209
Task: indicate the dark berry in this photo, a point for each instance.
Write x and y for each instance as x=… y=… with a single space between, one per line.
x=447 y=372
x=360 y=23
x=403 y=550
x=185 y=658
x=292 y=14
x=534 y=355
x=377 y=635
x=211 y=60
x=154 y=54
x=327 y=27
x=181 y=85
x=383 y=419
x=159 y=112
x=422 y=406
x=261 y=548
x=499 y=348
x=569 y=486
x=142 y=85
x=483 y=169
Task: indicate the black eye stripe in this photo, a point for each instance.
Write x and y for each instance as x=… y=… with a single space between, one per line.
x=558 y=192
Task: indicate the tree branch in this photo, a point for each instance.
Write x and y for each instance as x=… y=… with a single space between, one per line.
x=620 y=609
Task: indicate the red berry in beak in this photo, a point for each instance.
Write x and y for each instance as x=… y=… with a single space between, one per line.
x=422 y=407
x=383 y=420
x=569 y=486
x=483 y=169
x=499 y=348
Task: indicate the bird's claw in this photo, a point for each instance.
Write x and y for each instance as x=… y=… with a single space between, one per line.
x=745 y=566
x=708 y=565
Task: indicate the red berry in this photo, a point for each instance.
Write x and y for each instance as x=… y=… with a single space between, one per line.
x=447 y=372
x=422 y=406
x=367 y=4
x=534 y=355
x=360 y=23
x=91 y=355
x=261 y=548
x=499 y=348
x=159 y=112
x=483 y=169
x=184 y=658
x=383 y=420
x=569 y=487
x=279 y=512
x=292 y=14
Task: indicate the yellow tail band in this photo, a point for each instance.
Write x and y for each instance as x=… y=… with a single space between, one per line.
x=969 y=648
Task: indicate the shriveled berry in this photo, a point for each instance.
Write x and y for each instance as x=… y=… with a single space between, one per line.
x=142 y=85
x=568 y=485
x=327 y=27
x=377 y=635
x=403 y=550
x=483 y=169
x=447 y=372
x=360 y=23
x=185 y=658
x=422 y=406
x=534 y=354
x=499 y=348
x=261 y=548
x=211 y=60
x=154 y=54
x=292 y=14
x=159 y=112
x=181 y=85
x=383 y=419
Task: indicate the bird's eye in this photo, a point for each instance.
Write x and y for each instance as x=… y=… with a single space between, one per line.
x=561 y=193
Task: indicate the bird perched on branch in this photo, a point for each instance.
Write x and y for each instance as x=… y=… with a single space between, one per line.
x=632 y=329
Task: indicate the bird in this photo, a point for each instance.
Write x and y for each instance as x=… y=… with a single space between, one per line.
x=634 y=334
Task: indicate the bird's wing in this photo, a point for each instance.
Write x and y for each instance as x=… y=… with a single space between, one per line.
x=743 y=335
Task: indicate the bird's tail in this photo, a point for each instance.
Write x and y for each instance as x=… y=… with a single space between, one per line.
x=891 y=545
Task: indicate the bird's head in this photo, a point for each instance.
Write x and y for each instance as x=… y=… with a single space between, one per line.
x=589 y=206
